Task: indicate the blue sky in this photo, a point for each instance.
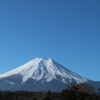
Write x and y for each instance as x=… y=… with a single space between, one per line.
x=67 y=31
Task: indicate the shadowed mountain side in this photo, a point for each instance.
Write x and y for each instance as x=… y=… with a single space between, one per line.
x=41 y=74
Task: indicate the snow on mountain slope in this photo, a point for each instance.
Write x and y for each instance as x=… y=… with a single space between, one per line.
x=42 y=68
x=40 y=74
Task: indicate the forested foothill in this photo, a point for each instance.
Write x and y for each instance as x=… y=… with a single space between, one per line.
x=75 y=92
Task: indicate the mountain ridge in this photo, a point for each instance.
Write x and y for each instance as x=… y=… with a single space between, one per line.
x=40 y=74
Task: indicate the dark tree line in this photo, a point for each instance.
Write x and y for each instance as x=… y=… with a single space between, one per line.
x=80 y=92
x=25 y=95
x=75 y=92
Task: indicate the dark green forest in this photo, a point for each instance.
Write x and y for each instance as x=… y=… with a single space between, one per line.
x=79 y=92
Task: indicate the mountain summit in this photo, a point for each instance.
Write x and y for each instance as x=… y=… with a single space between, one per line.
x=40 y=74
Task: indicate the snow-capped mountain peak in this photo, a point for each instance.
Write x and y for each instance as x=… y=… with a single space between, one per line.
x=46 y=70
x=41 y=74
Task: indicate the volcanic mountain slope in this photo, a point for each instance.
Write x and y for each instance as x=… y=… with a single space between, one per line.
x=40 y=74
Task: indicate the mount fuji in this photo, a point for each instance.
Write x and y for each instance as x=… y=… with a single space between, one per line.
x=41 y=74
